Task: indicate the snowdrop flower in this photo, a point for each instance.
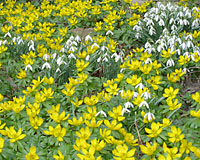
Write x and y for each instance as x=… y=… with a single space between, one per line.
x=14 y=39
x=73 y=49
x=72 y=56
x=105 y=59
x=20 y=41
x=186 y=22
x=46 y=57
x=95 y=45
x=7 y=35
x=99 y=59
x=152 y=30
x=103 y=48
x=88 y=37
x=149 y=116
x=174 y=28
x=161 y=22
x=77 y=38
x=54 y=55
x=170 y=63
x=62 y=50
x=60 y=61
x=109 y=32
x=140 y=85
x=102 y=113
x=148 y=60
x=137 y=35
x=46 y=65
x=144 y=103
x=28 y=67
x=171 y=21
x=183 y=45
x=135 y=94
x=189 y=44
x=128 y=105
x=30 y=42
x=71 y=38
x=58 y=70
x=31 y=48
x=146 y=95
x=125 y=110
x=186 y=70
x=74 y=43
x=157 y=17
x=87 y=57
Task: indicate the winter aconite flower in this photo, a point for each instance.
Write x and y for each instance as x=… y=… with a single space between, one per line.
x=60 y=156
x=32 y=154
x=148 y=149
x=122 y=152
x=1 y=144
x=154 y=131
x=175 y=135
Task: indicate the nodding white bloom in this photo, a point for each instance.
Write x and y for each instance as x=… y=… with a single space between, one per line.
x=128 y=105
x=14 y=40
x=140 y=85
x=71 y=38
x=137 y=35
x=58 y=70
x=161 y=22
x=178 y=51
x=135 y=94
x=103 y=48
x=148 y=60
x=186 y=54
x=71 y=56
x=157 y=17
x=28 y=67
x=30 y=43
x=174 y=28
x=60 y=61
x=189 y=44
x=109 y=32
x=149 y=22
x=95 y=45
x=102 y=113
x=74 y=43
x=152 y=30
x=88 y=37
x=77 y=38
x=125 y=110
x=46 y=57
x=150 y=115
x=186 y=70
x=20 y=41
x=7 y=35
x=144 y=103
x=99 y=59
x=146 y=95
x=46 y=65
x=73 y=49
x=54 y=55
x=137 y=28
x=105 y=59
x=87 y=57
x=62 y=50
x=170 y=63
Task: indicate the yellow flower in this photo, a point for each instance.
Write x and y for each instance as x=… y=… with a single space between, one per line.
x=60 y=156
x=35 y=122
x=81 y=65
x=195 y=114
x=170 y=92
x=76 y=122
x=73 y=20
x=93 y=123
x=121 y=152
x=172 y=152
x=6 y=28
x=59 y=117
x=129 y=138
x=127 y=95
x=146 y=68
x=39 y=98
x=185 y=146
x=69 y=92
x=154 y=81
x=105 y=134
x=1 y=97
x=77 y=103
x=134 y=80
x=97 y=144
x=32 y=154
x=84 y=133
x=173 y=105
x=80 y=144
x=166 y=122
x=138 y=100
x=133 y=65
x=175 y=135
x=168 y=53
x=57 y=132
x=92 y=113
x=183 y=60
x=91 y=101
x=88 y=154
x=113 y=125
x=196 y=97
x=117 y=113
x=13 y=135
x=148 y=149
x=154 y=131
x=173 y=77
x=48 y=81
x=3 y=49
x=63 y=31
x=21 y=74
x=48 y=93
x=113 y=89
x=1 y=144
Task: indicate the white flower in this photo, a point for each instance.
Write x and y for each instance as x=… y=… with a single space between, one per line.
x=95 y=45
x=149 y=116
x=125 y=110
x=54 y=55
x=87 y=57
x=146 y=95
x=170 y=63
x=128 y=105
x=103 y=48
x=31 y=47
x=161 y=22
x=99 y=59
x=77 y=38
x=46 y=65
x=58 y=70
x=88 y=37
x=46 y=57
x=144 y=103
x=7 y=35
x=71 y=56
x=109 y=32
x=140 y=85
x=105 y=59
x=102 y=113
x=148 y=60
x=71 y=38
x=62 y=50
x=28 y=67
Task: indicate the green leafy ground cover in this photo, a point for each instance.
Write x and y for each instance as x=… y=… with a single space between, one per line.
x=99 y=80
